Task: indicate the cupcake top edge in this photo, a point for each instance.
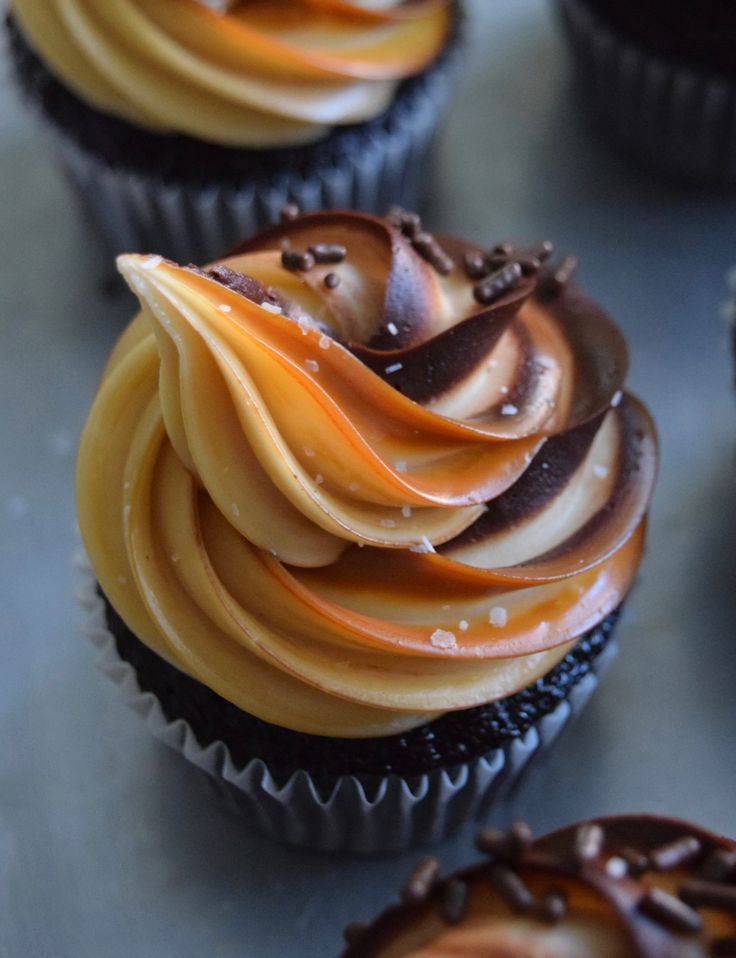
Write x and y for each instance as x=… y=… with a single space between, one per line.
x=250 y=75
x=630 y=885
x=355 y=475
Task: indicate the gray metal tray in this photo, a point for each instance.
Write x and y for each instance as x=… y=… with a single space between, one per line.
x=112 y=847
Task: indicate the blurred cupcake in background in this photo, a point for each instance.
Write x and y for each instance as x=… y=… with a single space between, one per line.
x=658 y=79
x=185 y=125
x=629 y=886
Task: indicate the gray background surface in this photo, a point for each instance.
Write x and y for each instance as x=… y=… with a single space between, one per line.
x=110 y=846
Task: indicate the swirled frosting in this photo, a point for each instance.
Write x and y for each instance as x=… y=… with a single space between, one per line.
x=624 y=887
x=351 y=497
x=265 y=73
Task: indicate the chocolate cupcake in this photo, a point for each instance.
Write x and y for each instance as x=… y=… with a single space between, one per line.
x=362 y=503
x=638 y=886
x=184 y=128
x=659 y=80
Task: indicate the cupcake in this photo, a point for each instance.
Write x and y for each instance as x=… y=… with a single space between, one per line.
x=362 y=504
x=185 y=126
x=658 y=79
x=637 y=886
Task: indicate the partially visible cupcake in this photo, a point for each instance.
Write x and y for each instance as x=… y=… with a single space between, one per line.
x=185 y=128
x=633 y=886
x=659 y=80
x=362 y=504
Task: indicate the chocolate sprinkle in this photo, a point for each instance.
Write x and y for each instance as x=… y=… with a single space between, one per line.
x=709 y=894
x=637 y=862
x=497 y=284
x=429 y=249
x=476 y=265
x=723 y=947
x=554 y=281
x=505 y=846
x=511 y=888
x=719 y=866
x=328 y=252
x=332 y=280
x=421 y=880
x=553 y=906
x=670 y=856
x=297 y=262
x=288 y=213
x=669 y=911
x=588 y=842
x=454 y=901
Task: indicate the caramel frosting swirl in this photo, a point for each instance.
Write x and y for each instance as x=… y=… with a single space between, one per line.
x=632 y=886
x=349 y=503
x=264 y=73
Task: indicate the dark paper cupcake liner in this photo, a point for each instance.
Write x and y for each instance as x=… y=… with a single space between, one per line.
x=367 y=167
x=673 y=118
x=391 y=814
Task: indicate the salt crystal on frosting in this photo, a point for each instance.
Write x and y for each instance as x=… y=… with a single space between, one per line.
x=498 y=616
x=509 y=409
x=324 y=342
x=319 y=478
x=309 y=452
x=392 y=328
x=400 y=465
x=152 y=262
x=616 y=398
x=224 y=308
x=600 y=471
x=393 y=368
x=388 y=523
x=463 y=625
x=406 y=511
x=441 y=639
x=271 y=308
x=312 y=365
x=424 y=546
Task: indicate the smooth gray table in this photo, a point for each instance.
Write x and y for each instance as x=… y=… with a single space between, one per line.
x=110 y=846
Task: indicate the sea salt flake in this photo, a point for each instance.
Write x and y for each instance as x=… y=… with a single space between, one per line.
x=393 y=368
x=319 y=478
x=498 y=616
x=509 y=409
x=312 y=365
x=442 y=639
x=324 y=342
x=309 y=452
x=616 y=398
x=600 y=471
x=546 y=362
x=152 y=262
x=400 y=465
x=463 y=625
x=392 y=328
x=406 y=511
x=424 y=546
x=388 y=523
x=224 y=308
x=271 y=308
x=545 y=465
x=503 y=390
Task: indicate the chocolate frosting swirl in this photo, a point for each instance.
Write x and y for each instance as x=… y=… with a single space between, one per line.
x=278 y=502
